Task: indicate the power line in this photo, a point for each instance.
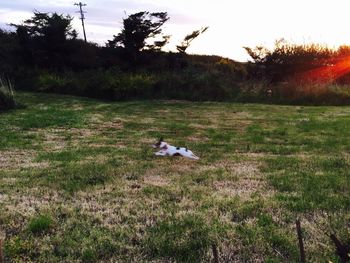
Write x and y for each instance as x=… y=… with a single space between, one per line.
x=82 y=17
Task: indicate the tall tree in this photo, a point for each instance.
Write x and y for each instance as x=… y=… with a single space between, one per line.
x=139 y=28
x=50 y=25
x=45 y=36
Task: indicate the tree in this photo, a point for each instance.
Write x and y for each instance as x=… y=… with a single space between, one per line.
x=258 y=54
x=189 y=38
x=137 y=29
x=44 y=37
x=158 y=44
x=53 y=26
x=287 y=62
x=8 y=52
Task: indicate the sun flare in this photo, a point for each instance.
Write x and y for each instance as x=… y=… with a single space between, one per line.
x=330 y=72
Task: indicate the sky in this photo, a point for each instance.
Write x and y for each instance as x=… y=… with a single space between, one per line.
x=232 y=24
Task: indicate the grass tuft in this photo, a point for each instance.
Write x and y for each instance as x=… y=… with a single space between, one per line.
x=40 y=224
x=7 y=97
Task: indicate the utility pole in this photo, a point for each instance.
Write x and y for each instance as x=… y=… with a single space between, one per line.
x=82 y=17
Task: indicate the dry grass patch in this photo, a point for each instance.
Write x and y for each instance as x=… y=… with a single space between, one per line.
x=77 y=106
x=197 y=138
x=127 y=210
x=28 y=203
x=161 y=112
x=202 y=126
x=54 y=140
x=241 y=125
x=148 y=141
x=246 y=169
x=80 y=133
x=118 y=145
x=57 y=139
x=156 y=180
x=96 y=118
x=8 y=181
x=240 y=179
x=243 y=188
x=147 y=120
x=116 y=124
x=18 y=159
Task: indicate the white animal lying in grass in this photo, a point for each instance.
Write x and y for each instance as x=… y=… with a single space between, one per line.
x=166 y=149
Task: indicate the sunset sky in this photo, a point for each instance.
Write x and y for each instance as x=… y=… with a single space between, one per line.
x=232 y=24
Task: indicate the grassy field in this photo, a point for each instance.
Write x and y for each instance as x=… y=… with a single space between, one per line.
x=79 y=181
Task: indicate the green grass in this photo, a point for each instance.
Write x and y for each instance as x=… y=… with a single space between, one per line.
x=40 y=224
x=79 y=181
x=183 y=239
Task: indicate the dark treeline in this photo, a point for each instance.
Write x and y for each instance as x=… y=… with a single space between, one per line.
x=44 y=54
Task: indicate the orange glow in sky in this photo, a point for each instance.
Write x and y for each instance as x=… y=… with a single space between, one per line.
x=330 y=72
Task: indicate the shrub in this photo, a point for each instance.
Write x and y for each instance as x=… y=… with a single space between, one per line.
x=52 y=82
x=113 y=84
x=286 y=61
x=132 y=86
x=197 y=85
x=7 y=98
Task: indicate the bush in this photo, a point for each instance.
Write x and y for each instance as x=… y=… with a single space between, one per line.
x=196 y=85
x=254 y=91
x=51 y=82
x=113 y=84
x=104 y=84
x=290 y=61
x=7 y=98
